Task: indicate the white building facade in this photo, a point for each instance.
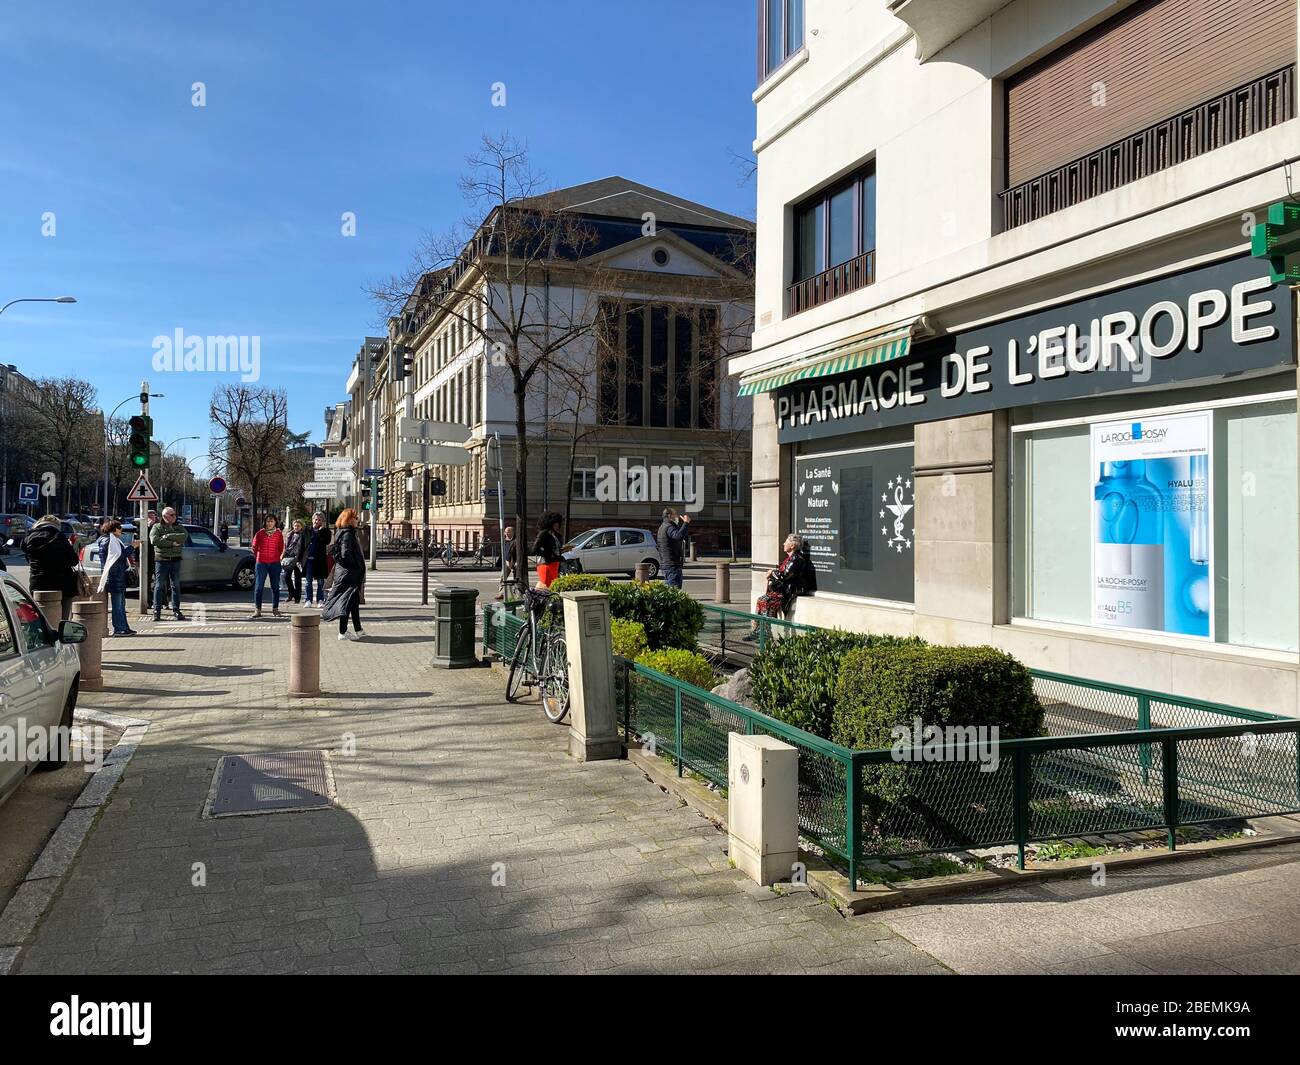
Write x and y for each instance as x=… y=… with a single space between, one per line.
x=1017 y=378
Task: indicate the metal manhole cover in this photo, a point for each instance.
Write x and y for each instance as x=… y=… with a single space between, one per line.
x=275 y=782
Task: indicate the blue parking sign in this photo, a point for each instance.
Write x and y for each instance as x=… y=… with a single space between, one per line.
x=28 y=494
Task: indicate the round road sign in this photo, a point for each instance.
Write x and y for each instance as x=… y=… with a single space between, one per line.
x=217 y=485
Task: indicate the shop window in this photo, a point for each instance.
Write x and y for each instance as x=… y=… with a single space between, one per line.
x=856 y=512
x=1182 y=524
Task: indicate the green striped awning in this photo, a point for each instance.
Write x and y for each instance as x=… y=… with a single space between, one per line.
x=866 y=350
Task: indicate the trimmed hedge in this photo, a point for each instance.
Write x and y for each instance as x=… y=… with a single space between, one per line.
x=628 y=637
x=794 y=677
x=690 y=666
x=671 y=618
x=581 y=582
x=880 y=687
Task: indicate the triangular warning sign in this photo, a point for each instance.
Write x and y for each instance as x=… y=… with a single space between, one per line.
x=143 y=491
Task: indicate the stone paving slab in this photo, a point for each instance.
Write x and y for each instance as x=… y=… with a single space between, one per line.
x=1237 y=912
x=464 y=838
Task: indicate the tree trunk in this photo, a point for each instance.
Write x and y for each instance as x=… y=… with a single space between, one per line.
x=731 y=518
x=521 y=477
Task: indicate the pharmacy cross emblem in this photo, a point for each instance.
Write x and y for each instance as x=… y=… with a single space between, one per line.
x=900 y=539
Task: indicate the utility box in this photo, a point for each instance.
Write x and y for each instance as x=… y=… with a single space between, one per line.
x=762 y=806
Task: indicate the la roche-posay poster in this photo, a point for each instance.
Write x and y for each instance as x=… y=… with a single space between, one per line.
x=1151 y=553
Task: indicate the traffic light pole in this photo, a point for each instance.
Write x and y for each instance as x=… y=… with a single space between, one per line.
x=424 y=543
x=142 y=520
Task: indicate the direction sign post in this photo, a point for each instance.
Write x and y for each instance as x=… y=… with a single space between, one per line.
x=432 y=454
x=320 y=489
x=433 y=432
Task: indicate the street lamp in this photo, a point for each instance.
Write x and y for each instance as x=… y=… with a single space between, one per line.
x=4 y=455
x=39 y=299
x=134 y=395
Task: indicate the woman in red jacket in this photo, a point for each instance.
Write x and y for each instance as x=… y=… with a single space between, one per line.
x=268 y=550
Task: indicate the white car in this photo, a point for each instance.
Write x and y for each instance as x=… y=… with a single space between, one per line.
x=39 y=674
x=613 y=550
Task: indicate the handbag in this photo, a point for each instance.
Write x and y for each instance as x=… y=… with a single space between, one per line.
x=85 y=588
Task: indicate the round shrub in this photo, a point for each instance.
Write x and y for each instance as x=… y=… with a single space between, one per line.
x=671 y=618
x=690 y=666
x=794 y=677
x=881 y=687
x=628 y=637
x=581 y=582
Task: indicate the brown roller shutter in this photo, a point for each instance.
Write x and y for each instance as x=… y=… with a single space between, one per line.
x=1152 y=60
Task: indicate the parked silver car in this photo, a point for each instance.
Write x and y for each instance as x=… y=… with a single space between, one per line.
x=610 y=550
x=39 y=675
x=204 y=560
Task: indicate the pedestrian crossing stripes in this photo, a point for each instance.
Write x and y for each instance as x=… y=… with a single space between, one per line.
x=395 y=588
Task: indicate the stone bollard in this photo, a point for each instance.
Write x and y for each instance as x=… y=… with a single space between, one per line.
x=722 y=582
x=453 y=627
x=693 y=557
x=51 y=604
x=91 y=613
x=304 y=655
x=642 y=572
x=593 y=734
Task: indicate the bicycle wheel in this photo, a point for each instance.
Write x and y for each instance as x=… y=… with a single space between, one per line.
x=554 y=681
x=518 y=667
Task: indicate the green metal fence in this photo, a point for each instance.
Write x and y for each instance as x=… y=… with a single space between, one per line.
x=732 y=633
x=1115 y=759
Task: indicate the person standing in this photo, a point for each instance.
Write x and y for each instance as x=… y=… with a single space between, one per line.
x=295 y=548
x=547 y=548
x=316 y=559
x=167 y=538
x=268 y=550
x=512 y=573
x=671 y=541
x=53 y=562
x=114 y=561
x=349 y=571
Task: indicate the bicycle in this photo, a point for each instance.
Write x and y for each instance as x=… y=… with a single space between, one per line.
x=540 y=657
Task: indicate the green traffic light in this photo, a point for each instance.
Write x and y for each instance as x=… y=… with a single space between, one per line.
x=140 y=460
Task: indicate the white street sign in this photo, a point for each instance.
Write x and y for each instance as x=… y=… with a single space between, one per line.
x=432 y=454
x=335 y=464
x=320 y=489
x=434 y=432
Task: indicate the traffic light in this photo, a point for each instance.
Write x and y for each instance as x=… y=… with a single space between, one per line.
x=400 y=363
x=141 y=426
x=378 y=493
x=365 y=493
x=1278 y=240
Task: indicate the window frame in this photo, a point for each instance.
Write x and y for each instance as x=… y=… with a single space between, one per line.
x=788 y=50
x=857 y=181
x=580 y=467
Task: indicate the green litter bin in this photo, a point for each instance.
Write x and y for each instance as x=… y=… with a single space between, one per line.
x=453 y=627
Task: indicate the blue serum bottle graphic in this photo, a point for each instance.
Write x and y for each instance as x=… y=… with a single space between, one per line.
x=1129 y=552
x=1194 y=578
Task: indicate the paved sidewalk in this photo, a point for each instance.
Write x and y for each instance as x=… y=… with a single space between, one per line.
x=603 y=872
x=1237 y=912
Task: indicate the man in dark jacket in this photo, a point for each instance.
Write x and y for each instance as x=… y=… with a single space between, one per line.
x=315 y=558
x=53 y=562
x=671 y=541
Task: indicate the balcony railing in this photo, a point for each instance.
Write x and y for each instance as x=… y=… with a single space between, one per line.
x=837 y=281
x=1255 y=106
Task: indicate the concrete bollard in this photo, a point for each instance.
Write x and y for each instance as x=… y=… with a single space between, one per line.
x=722 y=582
x=304 y=655
x=91 y=613
x=51 y=605
x=642 y=572
x=693 y=557
x=593 y=734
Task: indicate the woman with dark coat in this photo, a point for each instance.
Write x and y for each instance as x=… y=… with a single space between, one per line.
x=315 y=548
x=788 y=581
x=349 y=570
x=547 y=547
x=53 y=560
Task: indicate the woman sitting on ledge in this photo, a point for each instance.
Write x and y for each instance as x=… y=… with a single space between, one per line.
x=788 y=581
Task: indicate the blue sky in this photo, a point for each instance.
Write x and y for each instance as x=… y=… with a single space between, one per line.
x=225 y=219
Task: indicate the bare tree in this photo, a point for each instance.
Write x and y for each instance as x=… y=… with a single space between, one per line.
x=60 y=427
x=493 y=274
x=250 y=439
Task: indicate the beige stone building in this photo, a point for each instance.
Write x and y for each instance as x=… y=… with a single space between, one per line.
x=656 y=395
